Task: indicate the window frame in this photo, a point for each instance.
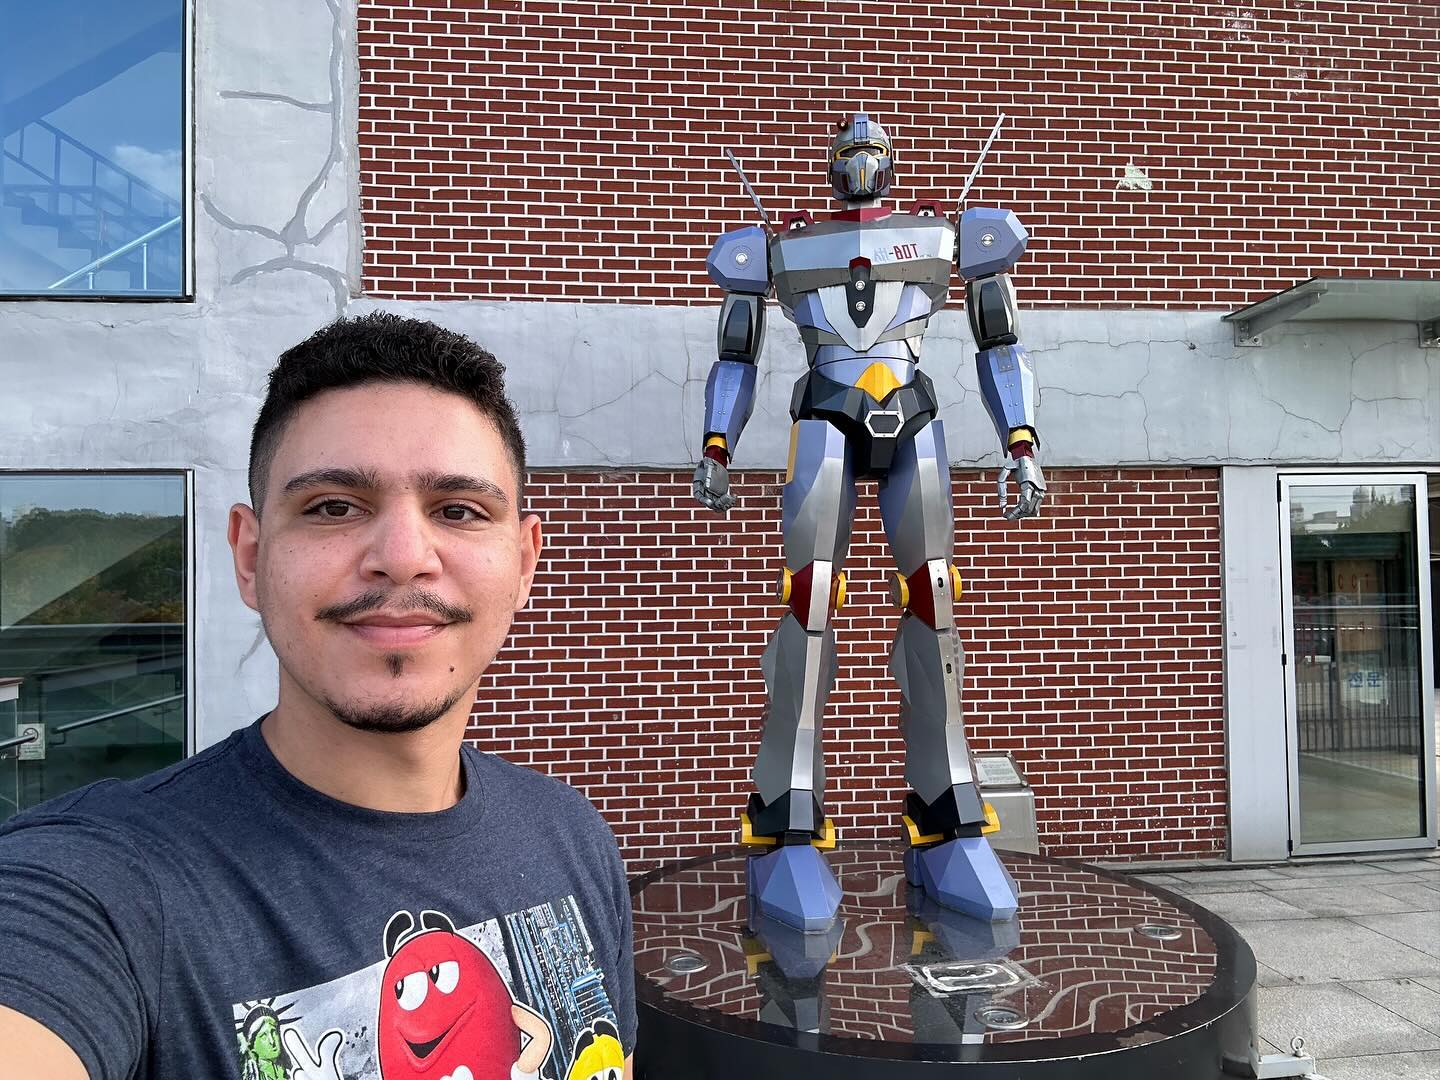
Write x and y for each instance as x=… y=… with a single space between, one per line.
x=188 y=585
x=186 y=200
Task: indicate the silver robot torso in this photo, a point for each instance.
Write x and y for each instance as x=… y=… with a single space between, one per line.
x=861 y=293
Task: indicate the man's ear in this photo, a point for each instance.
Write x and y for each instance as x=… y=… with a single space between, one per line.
x=243 y=532
x=530 y=544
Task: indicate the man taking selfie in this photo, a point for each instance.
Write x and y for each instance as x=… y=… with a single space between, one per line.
x=342 y=889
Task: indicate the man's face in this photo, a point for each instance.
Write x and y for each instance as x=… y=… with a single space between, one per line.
x=390 y=556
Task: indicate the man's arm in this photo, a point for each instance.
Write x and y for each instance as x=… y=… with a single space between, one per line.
x=35 y=1052
x=79 y=949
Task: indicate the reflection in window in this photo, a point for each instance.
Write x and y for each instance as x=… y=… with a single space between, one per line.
x=92 y=630
x=92 y=144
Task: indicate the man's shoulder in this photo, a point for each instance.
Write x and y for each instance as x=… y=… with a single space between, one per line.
x=120 y=806
x=536 y=792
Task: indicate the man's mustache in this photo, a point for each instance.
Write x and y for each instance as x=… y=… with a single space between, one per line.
x=409 y=600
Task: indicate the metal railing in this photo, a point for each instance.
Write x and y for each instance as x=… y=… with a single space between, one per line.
x=93 y=209
x=89 y=721
x=1357 y=678
x=18 y=740
x=142 y=242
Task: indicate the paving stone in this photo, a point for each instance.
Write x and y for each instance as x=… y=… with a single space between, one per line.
x=1342 y=898
x=1406 y=998
x=1256 y=906
x=1318 y=879
x=1418 y=929
x=1331 y=950
x=1423 y=1066
x=1335 y=1021
x=1216 y=885
x=1418 y=897
x=1408 y=866
x=1326 y=869
x=1268 y=976
x=1339 y=872
x=1200 y=877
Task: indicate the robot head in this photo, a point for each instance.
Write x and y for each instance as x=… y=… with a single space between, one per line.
x=860 y=161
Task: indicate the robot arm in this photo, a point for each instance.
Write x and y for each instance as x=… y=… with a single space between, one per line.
x=738 y=263
x=988 y=243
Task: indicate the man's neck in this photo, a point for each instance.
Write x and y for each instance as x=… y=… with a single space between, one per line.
x=411 y=773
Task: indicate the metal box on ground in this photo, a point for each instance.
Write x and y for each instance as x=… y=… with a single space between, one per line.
x=1003 y=786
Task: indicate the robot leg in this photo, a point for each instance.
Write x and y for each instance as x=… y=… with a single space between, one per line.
x=785 y=817
x=945 y=815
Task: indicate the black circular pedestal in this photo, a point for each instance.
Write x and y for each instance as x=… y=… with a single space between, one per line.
x=1099 y=975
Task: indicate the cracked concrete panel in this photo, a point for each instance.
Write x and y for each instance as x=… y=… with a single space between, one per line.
x=222 y=251
x=1381 y=372
x=285 y=149
x=325 y=225
x=269 y=48
x=1109 y=430
x=1097 y=371
x=71 y=382
x=624 y=385
x=1389 y=429
x=1310 y=380
x=1134 y=387
x=1181 y=412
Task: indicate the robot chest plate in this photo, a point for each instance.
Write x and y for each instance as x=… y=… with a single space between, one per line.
x=858 y=283
x=901 y=247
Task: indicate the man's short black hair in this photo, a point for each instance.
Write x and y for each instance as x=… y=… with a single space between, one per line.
x=381 y=348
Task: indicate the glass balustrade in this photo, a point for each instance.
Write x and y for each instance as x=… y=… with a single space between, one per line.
x=92 y=630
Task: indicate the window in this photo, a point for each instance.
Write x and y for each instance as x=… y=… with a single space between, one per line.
x=92 y=630
x=93 y=148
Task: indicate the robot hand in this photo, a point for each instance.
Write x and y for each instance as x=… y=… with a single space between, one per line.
x=1031 y=482
x=712 y=485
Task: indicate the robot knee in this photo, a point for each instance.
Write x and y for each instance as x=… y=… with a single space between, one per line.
x=929 y=593
x=813 y=593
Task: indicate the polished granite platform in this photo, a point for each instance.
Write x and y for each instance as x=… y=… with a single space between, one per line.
x=1099 y=975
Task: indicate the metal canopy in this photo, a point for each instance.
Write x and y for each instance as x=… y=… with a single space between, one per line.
x=1412 y=300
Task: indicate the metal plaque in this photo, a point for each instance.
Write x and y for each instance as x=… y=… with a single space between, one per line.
x=34 y=750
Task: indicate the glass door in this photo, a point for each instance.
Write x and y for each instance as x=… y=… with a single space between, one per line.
x=1355 y=573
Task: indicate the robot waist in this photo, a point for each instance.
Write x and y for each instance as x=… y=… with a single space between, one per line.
x=898 y=415
x=878 y=374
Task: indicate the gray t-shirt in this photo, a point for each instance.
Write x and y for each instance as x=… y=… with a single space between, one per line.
x=220 y=919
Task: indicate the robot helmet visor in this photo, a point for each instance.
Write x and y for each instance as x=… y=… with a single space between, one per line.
x=850 y=150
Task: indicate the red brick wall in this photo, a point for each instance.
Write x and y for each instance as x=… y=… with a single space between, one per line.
x=559 y=150
x=1093 y=638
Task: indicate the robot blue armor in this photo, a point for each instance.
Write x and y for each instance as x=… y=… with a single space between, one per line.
x=862 y=287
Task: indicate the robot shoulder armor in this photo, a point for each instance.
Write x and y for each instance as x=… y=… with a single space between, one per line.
x=990 y=240
x=740 y=261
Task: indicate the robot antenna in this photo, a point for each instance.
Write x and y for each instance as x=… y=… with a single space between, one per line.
x=745 y=183
x=984 y=151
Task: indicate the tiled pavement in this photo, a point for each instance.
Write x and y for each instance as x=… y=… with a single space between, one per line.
x=1348 y=953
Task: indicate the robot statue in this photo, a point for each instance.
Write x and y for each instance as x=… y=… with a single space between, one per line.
x=862 y=287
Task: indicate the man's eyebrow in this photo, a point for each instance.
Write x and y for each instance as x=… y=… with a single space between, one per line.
x=356 y=479
x=366 y=479
x=446 y=482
